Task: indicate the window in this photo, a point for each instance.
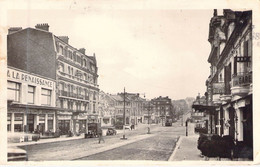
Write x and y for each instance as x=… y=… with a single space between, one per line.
x=61 y=49
x=84 y=63
x=13 y=91
x=70 y=54
x=46 y=97
x=246 y=48
x=61 y=104
x=74 y=57
x=30 y=95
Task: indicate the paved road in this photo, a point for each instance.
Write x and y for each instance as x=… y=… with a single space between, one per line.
x=151 y=146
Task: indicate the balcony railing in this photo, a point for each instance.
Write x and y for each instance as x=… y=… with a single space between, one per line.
x=73 y=95
x=241 y=79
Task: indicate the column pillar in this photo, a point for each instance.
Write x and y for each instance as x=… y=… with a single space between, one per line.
x=12 y=122
x=36 y=121
x=46 y=122
x=54 y=122
x=24 y=121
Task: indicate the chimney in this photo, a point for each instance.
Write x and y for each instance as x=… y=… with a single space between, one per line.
x=82 y=50
x=14 y=29
x=215 y=12
x=43 y=26
x=64 y=39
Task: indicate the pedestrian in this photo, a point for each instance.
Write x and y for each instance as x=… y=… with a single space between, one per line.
x=100 y=137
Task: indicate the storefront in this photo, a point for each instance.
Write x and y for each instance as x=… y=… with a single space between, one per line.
x=30 y=102
x=64 y=122
x=24 y=119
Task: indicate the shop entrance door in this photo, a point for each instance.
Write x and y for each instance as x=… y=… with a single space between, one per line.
x=64 y=126
x=30 y=122
x=248 y=126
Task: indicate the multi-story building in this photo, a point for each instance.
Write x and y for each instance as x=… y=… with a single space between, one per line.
x=75 y=73
x=106 y=108
x=163 y=108
x=229 y=86
x=122 y=102
x=134 y=107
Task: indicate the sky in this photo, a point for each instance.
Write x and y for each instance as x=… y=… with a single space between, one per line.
x=151 y=51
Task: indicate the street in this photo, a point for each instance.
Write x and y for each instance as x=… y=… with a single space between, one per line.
x=139 y=145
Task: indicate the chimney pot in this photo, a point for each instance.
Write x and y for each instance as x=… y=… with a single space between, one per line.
x=43 y=26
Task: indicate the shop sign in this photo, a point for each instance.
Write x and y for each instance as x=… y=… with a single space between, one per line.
x=243 y=59
x=31 y=79
x=218 y=88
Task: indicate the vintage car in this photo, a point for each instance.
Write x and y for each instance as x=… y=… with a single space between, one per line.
x=111 y=131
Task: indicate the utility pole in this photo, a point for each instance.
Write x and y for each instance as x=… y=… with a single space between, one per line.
x=148 y=132
x=124 y=138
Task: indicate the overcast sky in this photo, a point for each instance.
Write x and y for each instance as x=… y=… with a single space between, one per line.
x=152 y=51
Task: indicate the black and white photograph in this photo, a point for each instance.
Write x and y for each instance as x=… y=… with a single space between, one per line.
x=111 y=81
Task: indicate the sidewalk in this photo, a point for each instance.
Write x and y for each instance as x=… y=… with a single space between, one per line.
x=186 y=149
x=51 y=140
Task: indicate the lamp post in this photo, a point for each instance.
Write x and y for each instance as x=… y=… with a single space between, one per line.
x=148 y=132
x=124 y=138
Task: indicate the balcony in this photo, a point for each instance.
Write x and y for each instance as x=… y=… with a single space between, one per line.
x=240 y=83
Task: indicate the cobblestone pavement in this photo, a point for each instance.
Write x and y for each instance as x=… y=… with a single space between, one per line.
x=81 y=148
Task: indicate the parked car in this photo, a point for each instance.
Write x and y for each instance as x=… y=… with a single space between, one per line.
x=111 y=131
x=16 y=154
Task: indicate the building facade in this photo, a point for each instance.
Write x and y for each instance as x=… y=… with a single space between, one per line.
x=31 y=102
x=162 y=109
x=229 y=86
x=107 y=109
x=74 y=72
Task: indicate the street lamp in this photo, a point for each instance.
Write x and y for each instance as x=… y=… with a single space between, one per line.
x=148 y=132
x=124 y=138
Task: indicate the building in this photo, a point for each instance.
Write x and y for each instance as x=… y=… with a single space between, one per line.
x=31 y=101
x=228 y=100
x=75 y=73
x=163 y=108
x=122 y=102
x=107 y=109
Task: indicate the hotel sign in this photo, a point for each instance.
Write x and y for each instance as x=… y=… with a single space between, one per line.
x=28 y=78
x=219 y=88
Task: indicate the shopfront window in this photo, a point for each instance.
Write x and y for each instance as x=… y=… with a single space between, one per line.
x=46 y=97
x=30 y=94
x=13 y=91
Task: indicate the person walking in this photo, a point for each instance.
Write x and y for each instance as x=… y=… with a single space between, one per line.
x=100 y=137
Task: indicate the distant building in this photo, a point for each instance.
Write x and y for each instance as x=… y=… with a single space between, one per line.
x=162 y=108
x=107 y=109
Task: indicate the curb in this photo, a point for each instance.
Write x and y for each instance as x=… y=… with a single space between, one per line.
x=176 y=148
